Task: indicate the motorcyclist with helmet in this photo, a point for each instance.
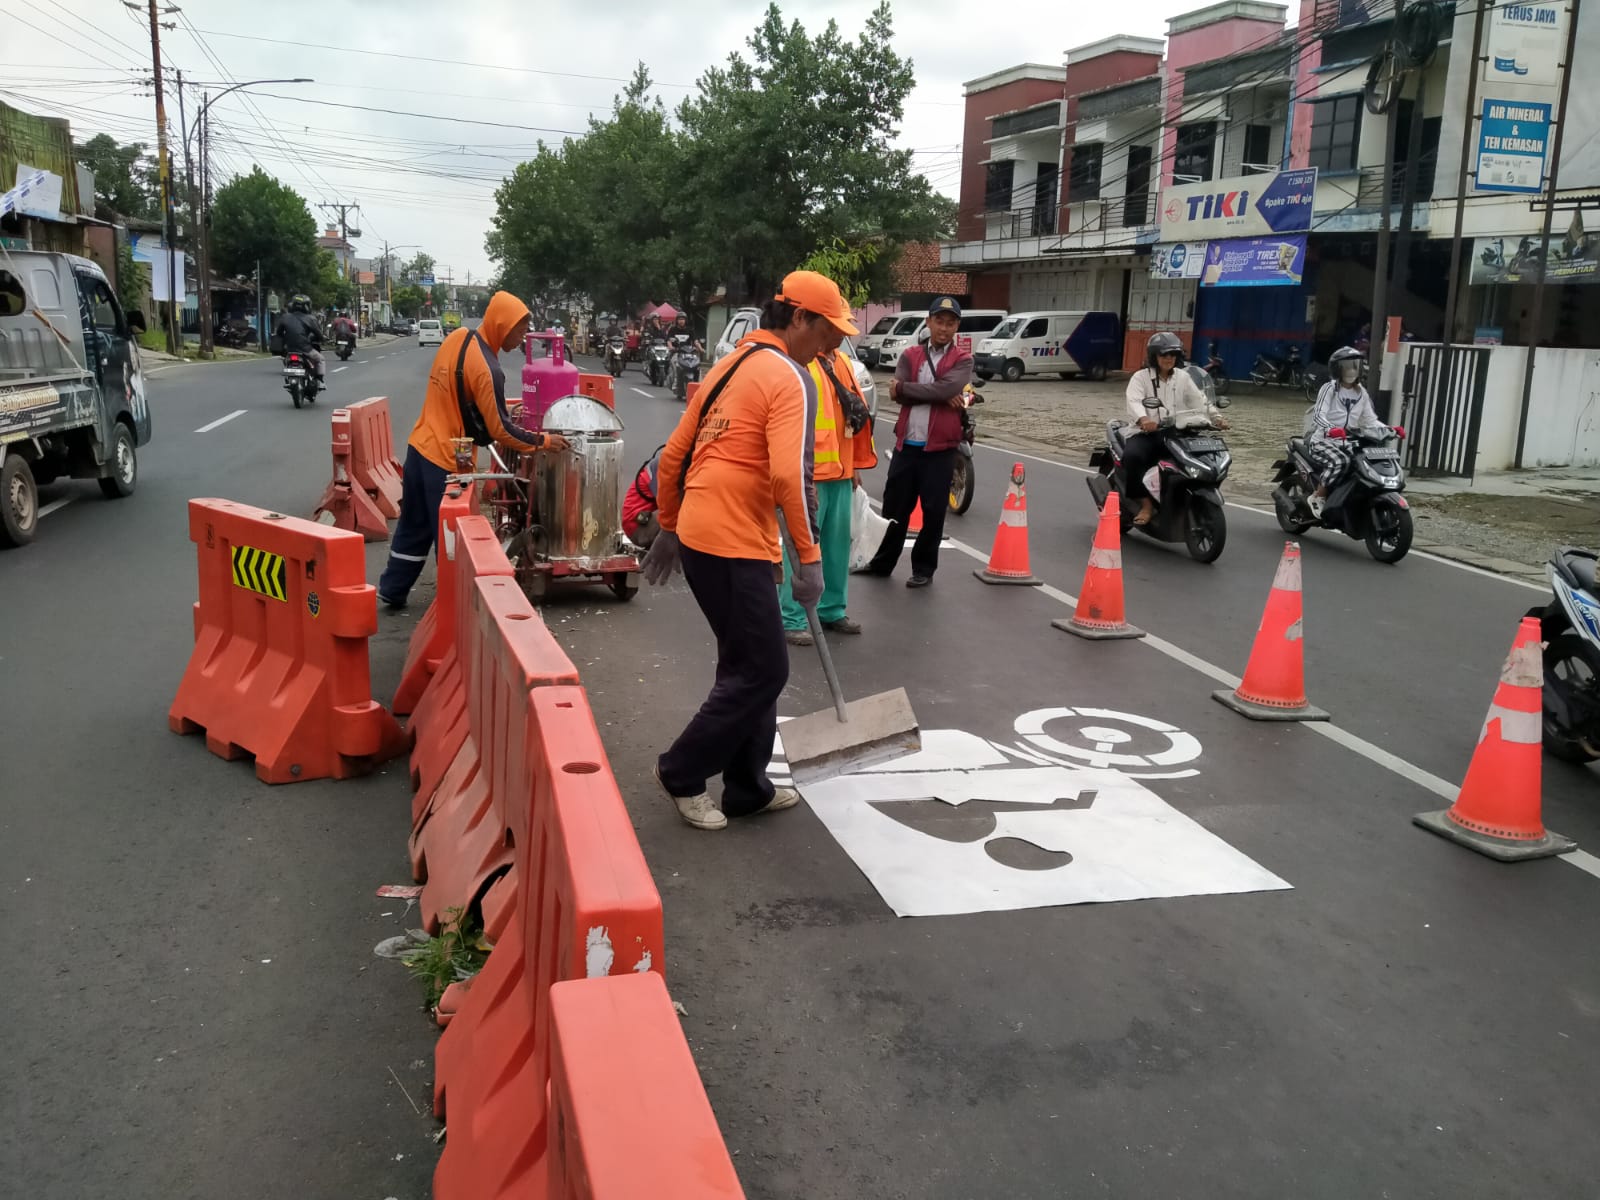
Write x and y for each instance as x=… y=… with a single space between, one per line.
x=300 y=334
x=1343 y=404
x=1159 y=391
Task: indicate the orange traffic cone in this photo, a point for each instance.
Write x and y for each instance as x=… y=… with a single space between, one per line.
x=1274 y=686
x=914 y=526
x=1099 y=615
x=1497 y=811
x=1008 y=561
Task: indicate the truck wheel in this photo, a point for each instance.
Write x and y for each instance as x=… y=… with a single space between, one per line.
x=1012 y=371
x=19 y=502
x=124 y=464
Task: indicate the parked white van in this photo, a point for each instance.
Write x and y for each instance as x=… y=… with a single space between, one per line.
x=1067 y=343
x=868 y=344
x=975 y=324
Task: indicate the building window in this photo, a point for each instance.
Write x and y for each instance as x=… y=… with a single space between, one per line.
x=1044 y=199
x=1196 y=152
x=1258 y=155
x=1335 y=133
x=1084 y=181
x=997 y=186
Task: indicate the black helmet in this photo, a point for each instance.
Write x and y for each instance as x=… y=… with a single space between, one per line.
x=1345 y=354
x=1162 y=343
x=300 y=304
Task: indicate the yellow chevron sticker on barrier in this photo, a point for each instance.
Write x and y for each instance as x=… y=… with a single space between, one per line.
x=260 y=571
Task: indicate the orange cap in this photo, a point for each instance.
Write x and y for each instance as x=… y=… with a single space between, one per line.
x=816 y=293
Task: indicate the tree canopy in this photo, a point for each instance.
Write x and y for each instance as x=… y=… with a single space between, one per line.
x=779 y=156
x=125 y=180
x=256 y=218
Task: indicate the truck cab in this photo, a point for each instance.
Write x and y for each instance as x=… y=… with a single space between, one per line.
x=72 y=392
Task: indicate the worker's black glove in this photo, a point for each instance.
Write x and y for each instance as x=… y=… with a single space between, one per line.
x=661 y=562
x=807 y=584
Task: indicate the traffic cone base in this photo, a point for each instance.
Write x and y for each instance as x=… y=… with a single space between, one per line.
x=1274 y=683
x=1099 y=613
x=1008 y=561
x=1497 y=811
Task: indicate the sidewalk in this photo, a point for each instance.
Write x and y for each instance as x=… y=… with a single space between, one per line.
x=1506 y=522
x=228 y=354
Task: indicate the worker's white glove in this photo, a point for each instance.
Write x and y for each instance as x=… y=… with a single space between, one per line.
x=661 y=561
x=806 y=585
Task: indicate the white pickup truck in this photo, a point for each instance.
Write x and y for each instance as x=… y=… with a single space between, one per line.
x=72 y=398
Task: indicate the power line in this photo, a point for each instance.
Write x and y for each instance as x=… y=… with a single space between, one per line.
x=422 y=116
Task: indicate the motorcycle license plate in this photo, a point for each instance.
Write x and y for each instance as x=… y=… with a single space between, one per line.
x=1205 y=445
x=294 y=371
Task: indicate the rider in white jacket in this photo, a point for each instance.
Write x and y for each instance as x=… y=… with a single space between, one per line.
x=1163 y=389
x=1343 y=403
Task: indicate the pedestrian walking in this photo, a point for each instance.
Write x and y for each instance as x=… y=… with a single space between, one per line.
x=466 y=399
x=843 y=446
x=741 y=450
x=928 y=382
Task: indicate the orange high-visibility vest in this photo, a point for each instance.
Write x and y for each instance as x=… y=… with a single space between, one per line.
x=836 y=454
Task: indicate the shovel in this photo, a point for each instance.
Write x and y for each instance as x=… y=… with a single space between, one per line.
x=851 y=736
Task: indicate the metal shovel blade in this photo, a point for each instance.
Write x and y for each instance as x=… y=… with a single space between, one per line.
x=876 y=729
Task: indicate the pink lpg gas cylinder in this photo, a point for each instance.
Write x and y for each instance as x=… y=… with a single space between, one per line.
x=546 y=378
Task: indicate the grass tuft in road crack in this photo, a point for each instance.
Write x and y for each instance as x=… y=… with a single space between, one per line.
x=456 y=954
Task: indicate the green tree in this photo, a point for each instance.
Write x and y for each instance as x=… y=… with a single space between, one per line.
x=419 y=266
x=124 y=177
x=407 y=299
x=329 y=286
x=133 y=280
x=848 y=266
x=254 y=217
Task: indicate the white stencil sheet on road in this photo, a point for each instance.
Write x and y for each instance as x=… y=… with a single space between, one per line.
x=973 y=825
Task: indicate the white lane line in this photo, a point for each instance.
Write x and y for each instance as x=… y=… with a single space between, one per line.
x=238 y=412
x=336 y=370
x=1368 y=750
x=55 y=504
x=360 y=362
x=641 y=391
x=1262 y=512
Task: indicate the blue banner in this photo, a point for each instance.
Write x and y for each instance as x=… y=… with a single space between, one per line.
x=1255 y=262
x=1512 y=138
x=1286 y=203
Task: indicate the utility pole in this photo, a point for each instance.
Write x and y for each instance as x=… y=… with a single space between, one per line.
x=203 y=233
x=1537 y=317
x=1380 y=275
x=1452 y=299
x=344 y=229
x=174 y=329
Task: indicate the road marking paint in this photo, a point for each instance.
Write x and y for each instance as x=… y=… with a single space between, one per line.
x=1370 y=751
x=641 y=391
x=238 y=412
x=361 y=362
x=1262 y=512
x=346 y=367
x=55 y=504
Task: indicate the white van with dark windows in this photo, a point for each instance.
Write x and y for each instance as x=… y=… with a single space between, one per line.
x=1041 y=343
x=974 y=325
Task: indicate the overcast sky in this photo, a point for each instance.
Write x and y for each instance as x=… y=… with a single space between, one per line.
x=540 y=67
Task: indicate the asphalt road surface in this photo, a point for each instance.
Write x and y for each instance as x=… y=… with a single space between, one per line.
x=1312 y=998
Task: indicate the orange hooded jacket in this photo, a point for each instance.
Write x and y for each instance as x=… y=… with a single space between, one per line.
x=485 y=387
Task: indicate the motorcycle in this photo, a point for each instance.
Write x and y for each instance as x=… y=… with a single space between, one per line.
x=614 y=348
x=1367 y=505
x=964 y=480
x=1284 y=372
x=1185 y=484
x=1570 y=630
x=347 y=346
x=1217 y=369
x=656 y=363
x=685 y=364
x=300 y=378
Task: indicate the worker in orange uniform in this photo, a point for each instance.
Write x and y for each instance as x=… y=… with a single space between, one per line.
x=742 y=449
x=843 y=442
x=466 y=398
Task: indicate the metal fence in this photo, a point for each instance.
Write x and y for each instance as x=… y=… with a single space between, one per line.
x=1444 y=394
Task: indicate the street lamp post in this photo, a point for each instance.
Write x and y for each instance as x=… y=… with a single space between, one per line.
x=202 y=220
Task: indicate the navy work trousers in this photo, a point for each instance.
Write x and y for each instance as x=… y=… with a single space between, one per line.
x=734 y=731
x=422 y=489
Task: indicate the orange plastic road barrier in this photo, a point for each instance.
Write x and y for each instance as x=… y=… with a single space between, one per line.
x=601 y=387
x=1100 y=615
x=441 y=717
x=587 y=906
x=345 y=501
x=435 y=633
x=279 y=668
x=1498 y=810
x=689 y=391
x=630 y=1115
x=372 y=461
x=1274 y=685
x=460 y=844
x=1008 y=561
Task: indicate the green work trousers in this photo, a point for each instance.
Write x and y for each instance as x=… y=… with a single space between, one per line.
x=833 y=518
